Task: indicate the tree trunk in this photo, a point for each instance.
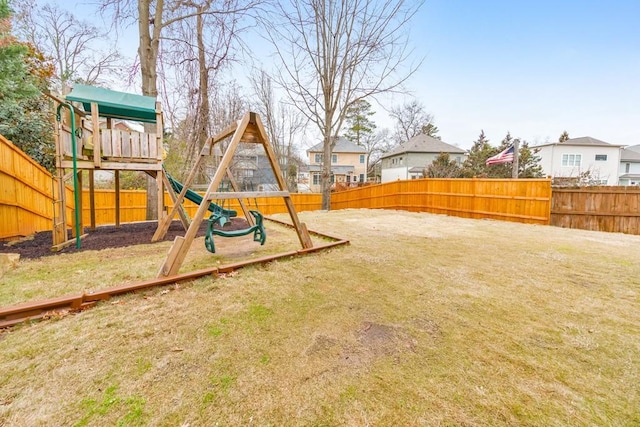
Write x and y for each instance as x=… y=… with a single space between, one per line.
x=203 y=119
x=148 y=51
x=326 y=173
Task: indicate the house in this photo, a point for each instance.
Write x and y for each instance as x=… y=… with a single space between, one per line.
x=348 y=164
x=583 y=160
x=408 y=160
x=630 y=166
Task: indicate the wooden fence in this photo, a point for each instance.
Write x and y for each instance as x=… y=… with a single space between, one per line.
x=26 y=193
x=133 y=205
x=522 y=200
x=613 y=209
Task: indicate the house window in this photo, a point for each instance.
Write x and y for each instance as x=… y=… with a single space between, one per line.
x=571 y=159
x=361 y=177
x=400 y=161
x=601 y=157
x=626 y=167
x=333 y=178
x=334 y=158
x=318 y=158
x=362 y=159
x=458 y=160
x=355 y=178
x=316 y=179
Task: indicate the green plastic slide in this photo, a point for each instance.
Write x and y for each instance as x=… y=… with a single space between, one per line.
x=197 y=199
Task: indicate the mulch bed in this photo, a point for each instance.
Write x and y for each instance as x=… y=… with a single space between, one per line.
x=39 y=245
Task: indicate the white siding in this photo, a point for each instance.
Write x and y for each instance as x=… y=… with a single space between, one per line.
x=603 y=170
x=394 y=174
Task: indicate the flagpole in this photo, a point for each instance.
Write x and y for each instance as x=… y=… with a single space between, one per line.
x=514 y=170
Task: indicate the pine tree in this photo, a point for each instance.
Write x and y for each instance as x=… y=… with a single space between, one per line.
x=431 y=130
x=443 y=167
x=358 y=123
x=474 y=165
x=529 y=163
x=563 y=136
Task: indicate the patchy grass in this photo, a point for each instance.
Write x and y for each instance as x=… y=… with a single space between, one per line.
x=90 y=271
x=423 y=319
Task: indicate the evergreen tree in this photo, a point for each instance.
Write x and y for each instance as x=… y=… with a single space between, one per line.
x=358 y=123
x=529 y=163
x=24 y=112
x=443 y=167
x=475 y=164
x=431 y=130
x=563 y=136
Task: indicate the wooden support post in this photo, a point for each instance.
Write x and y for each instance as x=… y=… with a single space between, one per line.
x=97 y=141
x=177 y=253
x=79 y=207
x=92 y=199
x=117 y=183
x=184 y=218
x=301 y=230
x=164 y=224
x=160 y=194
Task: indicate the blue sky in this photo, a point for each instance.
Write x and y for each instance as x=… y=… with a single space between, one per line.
x=533 y=68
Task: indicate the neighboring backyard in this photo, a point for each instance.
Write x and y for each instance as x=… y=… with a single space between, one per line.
x=422 y=320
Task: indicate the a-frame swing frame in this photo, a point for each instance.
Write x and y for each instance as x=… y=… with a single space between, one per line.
x=249 y=129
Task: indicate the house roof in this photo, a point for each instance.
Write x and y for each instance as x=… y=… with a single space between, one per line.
x=424 y=144
x=115 y=104
x=630 y=175
x=343 y=145
x=585 y=141
x=629 y=154
x=633 y=148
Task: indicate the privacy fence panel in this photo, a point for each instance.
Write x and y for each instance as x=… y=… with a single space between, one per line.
x=26 y=193
x=521 y=200
x=133 y=205
x=613 y=209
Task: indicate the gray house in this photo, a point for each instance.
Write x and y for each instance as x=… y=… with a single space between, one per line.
x=408 y=160
x=630 y=166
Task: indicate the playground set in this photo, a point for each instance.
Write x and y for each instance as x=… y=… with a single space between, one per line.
x=87 y=139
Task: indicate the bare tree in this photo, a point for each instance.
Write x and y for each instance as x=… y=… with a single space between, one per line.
x=283 y=124
x=152 y=17
x=73 y=45
x=411 y=120
x=197 y=49
x=376 y=145
x=337 y=52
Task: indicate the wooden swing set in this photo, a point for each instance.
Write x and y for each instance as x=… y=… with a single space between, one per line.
x=247 y=130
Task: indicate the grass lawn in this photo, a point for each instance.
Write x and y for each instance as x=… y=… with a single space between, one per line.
x=422 y=320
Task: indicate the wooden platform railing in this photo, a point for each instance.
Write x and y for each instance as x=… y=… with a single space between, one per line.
x=114 y=144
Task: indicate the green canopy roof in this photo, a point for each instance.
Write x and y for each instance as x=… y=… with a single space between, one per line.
x=115 y=104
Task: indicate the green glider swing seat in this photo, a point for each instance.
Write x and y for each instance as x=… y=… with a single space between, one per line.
x=259 y=233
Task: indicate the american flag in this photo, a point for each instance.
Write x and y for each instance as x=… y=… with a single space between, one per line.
x=505 y=156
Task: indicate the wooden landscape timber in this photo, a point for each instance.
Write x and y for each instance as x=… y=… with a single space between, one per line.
x=15 y=314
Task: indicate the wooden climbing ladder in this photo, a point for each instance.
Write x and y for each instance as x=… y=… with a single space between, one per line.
x=247 y=130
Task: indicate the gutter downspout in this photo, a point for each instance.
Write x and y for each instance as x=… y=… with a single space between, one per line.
x=76 y=195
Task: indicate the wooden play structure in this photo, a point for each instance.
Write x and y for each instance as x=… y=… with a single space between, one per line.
x=97 y=137
x=247 y=130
